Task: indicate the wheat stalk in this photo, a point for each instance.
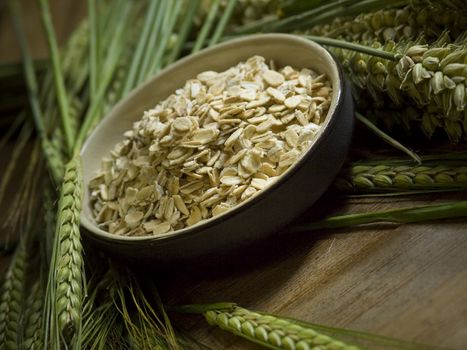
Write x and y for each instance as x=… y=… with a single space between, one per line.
x=184 y=30
x=427 y=213
x=314 y=15
x=139 y=49
x=44 y=121
x=221 y=25
x=117 y=84
x=20 y=145
x=57 y=74
x=124 y=12
x=22 y=205
x=74 y=55
x=208 y=22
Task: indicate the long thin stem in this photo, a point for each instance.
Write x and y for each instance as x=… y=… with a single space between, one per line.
x=58 y=77
x=139 y=51
x=354 y=47
x=280 y=25
x=318 y=15
x=154 y=38
x=451 y=158
x=201 y=38
x=169 y=24
x=110 y=64
x=343 y=44
x=386 y=138
x=358 y=7
x=19 y=120
x=28 y=67
x=454 y=210
x=219 y=31
x=184 y=30
x=51 y=151
x=21 y=142
x=93 y=49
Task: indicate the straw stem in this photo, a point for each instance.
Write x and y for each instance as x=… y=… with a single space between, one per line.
x=209 y=21
x=57 y=73
x=454 y=210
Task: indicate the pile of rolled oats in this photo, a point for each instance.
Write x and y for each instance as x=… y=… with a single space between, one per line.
x=211 y=145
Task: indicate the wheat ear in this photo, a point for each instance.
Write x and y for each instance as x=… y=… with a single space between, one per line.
x=66 y=273
x=431 y=78
x=32 y=339
x=12 y=298
x=272 y=332
x=70 y=264
x=365 y=178
x=405 y=23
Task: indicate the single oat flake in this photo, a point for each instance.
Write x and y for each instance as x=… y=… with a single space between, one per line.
x=218 y=141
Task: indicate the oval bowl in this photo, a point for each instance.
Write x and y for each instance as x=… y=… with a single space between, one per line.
x=265 y=213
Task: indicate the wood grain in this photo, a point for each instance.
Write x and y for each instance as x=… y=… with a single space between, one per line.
x=408 y=282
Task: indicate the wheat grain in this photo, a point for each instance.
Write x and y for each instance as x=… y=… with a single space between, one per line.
x=271 y=331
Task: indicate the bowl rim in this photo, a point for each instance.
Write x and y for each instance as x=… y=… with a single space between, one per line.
x=331 y=119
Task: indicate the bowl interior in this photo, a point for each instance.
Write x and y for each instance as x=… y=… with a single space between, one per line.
x=283 y=49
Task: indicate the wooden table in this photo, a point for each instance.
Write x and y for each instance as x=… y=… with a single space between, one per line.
x=408 y=282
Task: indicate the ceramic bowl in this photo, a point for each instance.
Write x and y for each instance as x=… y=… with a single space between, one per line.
x=264 y=214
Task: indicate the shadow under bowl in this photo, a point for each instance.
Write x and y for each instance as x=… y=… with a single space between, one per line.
x=264 y=214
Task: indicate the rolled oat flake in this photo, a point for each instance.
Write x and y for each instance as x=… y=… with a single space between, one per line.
x=216 y=142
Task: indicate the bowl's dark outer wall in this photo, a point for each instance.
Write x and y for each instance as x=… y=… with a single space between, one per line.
x=265 y=216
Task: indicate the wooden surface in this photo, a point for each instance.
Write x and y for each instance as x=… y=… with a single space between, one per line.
x=408 y=282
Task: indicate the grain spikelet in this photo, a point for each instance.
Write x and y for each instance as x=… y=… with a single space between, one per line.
x=33 y=322
x=406 y=23
x=363 y=178
x=70 y=264
x=429 y=77
x=271 y=331
x=64 y=296
x=12 y=298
